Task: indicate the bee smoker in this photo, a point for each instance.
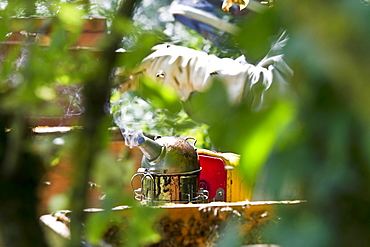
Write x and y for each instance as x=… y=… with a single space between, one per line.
x=169 y=171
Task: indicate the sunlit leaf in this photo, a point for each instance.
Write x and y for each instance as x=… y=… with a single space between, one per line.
x=97 y=225
x=58 y=202
x=71 y=17
x=162 y=97
x=262 y=137
x=140 y=224
x=46 y=93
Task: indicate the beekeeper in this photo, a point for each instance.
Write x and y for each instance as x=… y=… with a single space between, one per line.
x=188 y=70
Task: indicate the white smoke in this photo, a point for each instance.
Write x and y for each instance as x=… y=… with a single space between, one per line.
x=74 y=105
x=132 y=114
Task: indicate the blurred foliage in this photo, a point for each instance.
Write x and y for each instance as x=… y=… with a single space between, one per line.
x=258 y=33
x=316 y=144
x=326 y=156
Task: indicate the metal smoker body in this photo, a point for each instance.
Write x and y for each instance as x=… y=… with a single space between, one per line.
x=170 y=171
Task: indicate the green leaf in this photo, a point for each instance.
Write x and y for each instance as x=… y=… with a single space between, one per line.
x=162 y=97
x=262 y=137
x=257 y=34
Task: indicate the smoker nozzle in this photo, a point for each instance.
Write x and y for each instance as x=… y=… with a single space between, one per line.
x=151 y=149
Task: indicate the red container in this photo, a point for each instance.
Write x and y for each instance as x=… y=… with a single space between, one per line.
x=213 y=177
